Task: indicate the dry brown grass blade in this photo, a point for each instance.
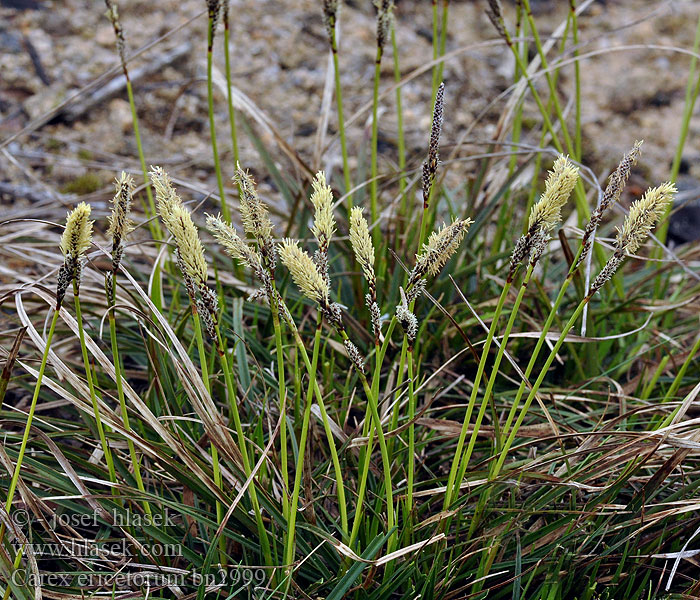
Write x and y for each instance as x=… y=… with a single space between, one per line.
x=192 y=380
x=109 y=415
x=10 y=362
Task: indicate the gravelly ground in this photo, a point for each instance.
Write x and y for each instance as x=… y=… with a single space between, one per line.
x=280 y=59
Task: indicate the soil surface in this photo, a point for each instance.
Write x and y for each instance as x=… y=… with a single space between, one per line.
x=63 y=146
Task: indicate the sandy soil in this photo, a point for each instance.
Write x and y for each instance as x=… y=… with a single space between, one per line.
x=633 y=86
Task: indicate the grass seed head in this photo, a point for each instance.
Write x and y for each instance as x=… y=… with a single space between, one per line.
x=255 y=216
x=178 y=221
x=495 y=14
x=643 y=215
x=305 y=273
x=119 y=223
x=75 y=240
x=113 y=16
x=330 y=16
x=439 y=248
x=77 y=235
x=239 y=249
x=546 y=213
x=430 y=166
x=322 y=200
x=407 y=319
x=361 y=243
x=613 y=191
x=213 y=10
x=355 y=355
x=385 y=17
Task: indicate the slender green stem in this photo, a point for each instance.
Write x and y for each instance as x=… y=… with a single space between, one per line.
x=214 y=452
x=436 y=47
x=452 y=483
x=342 y=506
x=233 y=402
x=401 y=142
x=692 y=91
x=281 y=384
x=291 y=528
x=341 y=118
x=373 y=414
x=538 y=382
x=30 y=417
x=411 y=439
x=212 y=123
x=374 y=213
x=443 y=43
x=577 y=83
x=372 y=402
x=492 y=378
x=548 y=77
x=91 y=385
x=116 y=359
x=150 y=208
x=535 y=353
x=231 y=110
x=678 y=379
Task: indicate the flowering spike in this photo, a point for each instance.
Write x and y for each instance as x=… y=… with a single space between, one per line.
x=546 y=213
x=119 y=223
x=430 y=166
x=75 y=241
x=305 y=273
x=439 y=248
x=643 y=215
x=255 y=216
x=612 y=193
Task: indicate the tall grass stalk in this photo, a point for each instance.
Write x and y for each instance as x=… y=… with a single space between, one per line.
x=30 y=419
x=301 y=453
x=400 y=137
x=242 y=443
x=203 y=358
x=692 y=91
x=212 y=20
x=116 y=360
x=149 y=207
x=374 y=213
x=494 y=374
x=452 y=481
x=90 y=382
x=331 y=8
x=227 y=59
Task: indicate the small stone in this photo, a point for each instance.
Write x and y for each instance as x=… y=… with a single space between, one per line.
x=120 y=114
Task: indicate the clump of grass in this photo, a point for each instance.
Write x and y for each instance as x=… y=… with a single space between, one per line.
x=301 y=436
